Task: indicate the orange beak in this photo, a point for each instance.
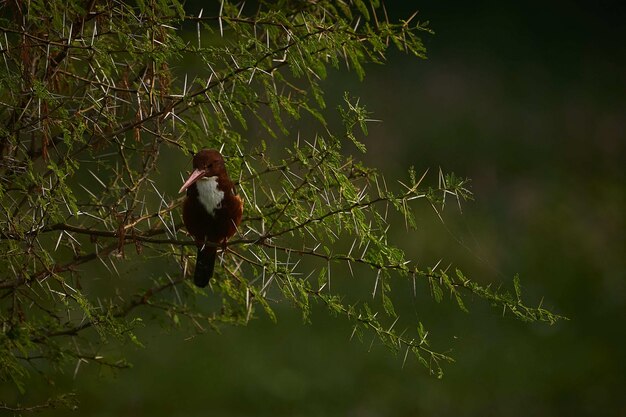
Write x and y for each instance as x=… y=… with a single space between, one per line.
x=195 y=176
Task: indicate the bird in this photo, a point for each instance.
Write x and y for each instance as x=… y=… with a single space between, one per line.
x=212 y=210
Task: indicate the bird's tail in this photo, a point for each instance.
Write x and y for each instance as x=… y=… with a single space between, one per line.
x=205 y=263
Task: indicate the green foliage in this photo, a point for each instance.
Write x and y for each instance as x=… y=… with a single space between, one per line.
x=95 y=106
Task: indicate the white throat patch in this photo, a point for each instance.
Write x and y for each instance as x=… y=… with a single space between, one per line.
x=209 y=195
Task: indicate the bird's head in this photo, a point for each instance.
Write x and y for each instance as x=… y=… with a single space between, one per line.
x=206 y=163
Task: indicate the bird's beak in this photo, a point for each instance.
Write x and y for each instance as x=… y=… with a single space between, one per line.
x=195 y=176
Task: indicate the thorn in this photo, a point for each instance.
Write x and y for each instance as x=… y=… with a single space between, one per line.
x=220 y=19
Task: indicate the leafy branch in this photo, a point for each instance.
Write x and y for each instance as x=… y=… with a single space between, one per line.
x=99 y=101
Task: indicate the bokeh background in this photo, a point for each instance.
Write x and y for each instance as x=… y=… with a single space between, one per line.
x=528 y=99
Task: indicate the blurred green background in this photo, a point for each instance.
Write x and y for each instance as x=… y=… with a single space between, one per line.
x=528 y=100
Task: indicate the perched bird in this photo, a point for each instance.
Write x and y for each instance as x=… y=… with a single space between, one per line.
x=211 y=211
